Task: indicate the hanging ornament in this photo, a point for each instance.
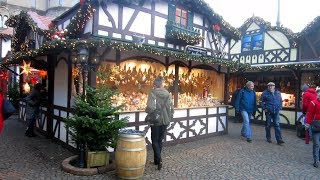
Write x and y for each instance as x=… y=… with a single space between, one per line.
x=34 y=80
x=26 y=87
x=26 y=69
x=75 y=72
x=43 y=73
x=82 y=2
x=4 y=75
x=216 y=27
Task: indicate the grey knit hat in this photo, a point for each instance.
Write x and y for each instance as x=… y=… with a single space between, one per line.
x=304 y=87
x=158 y=81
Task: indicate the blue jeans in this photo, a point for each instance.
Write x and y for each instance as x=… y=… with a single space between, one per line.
x=273 y=118
x=316 y=144
x=246 y=130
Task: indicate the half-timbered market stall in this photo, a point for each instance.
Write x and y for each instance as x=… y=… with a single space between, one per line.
x=131 y=43
x=278 y=55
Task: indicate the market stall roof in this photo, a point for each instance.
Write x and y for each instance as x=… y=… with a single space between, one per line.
x=267 y=25
x=37 y=22
x=6 y=33
x=313 y=25
x=41 y=21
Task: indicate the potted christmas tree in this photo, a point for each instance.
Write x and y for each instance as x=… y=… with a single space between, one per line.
x=95 y=124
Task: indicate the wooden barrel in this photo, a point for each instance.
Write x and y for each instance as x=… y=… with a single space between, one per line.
x=130 y=156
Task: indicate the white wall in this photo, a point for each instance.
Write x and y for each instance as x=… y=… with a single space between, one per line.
x=6 y=46
x=61 y=84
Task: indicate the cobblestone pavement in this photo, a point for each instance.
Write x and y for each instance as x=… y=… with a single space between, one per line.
x=221 y=157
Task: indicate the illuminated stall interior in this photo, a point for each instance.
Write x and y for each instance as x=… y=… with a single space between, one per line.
x=286 y=84
x=134 y=79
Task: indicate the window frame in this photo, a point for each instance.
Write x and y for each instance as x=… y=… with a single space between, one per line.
x=180 y=16
x=252 y=42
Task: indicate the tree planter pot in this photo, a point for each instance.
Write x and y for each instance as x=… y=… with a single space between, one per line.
x=97 y=158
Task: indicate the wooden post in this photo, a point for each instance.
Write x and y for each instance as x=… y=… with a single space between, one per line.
x=51 y=69
x=176 y=85
x=226 y=87
x=298 y=92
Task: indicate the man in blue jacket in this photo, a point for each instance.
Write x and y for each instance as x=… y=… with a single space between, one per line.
x=271 y=104
x=246 y=104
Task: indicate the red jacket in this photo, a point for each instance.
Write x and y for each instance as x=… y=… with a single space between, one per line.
x=308 y=96
x=1 y=116
x=313 y=111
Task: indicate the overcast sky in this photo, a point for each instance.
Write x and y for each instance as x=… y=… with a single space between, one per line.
x=294 y=14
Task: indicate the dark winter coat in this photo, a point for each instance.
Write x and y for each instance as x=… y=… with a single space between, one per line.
x=246 y=101
x=271 y=101
x=33 y=104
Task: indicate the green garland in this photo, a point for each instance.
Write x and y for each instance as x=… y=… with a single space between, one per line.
x=55 y=46
x=183 y=38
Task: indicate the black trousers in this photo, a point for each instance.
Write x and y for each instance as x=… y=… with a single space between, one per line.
x=157 y=135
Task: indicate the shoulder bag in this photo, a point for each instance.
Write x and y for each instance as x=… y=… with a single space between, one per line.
x=154 y=116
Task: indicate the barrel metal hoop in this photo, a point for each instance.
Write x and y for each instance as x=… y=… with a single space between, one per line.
x=130 y=169
x=126 y=177
x=131 y=140
x=131 y=149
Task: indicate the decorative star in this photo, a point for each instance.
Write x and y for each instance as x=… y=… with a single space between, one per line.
x=26 y=69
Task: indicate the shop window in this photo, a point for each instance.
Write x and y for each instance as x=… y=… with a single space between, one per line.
x=252 y=42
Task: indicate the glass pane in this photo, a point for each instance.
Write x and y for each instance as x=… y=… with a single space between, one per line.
x=183 y=22
x=184 y=14
x=257 y=37
x=246 y=46
x=246 y=39
x=257 y=45
x=178 y=19
x=178 y=12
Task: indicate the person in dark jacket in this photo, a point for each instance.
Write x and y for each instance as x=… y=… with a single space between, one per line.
x=246 y=104
x=271 y=104
x=159 y=98
x=237 y=115
x=313 y=114
x=33 y=101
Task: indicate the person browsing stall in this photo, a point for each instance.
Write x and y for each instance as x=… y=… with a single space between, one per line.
x=159 y=98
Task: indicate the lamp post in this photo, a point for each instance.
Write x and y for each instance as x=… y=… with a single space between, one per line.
x=81 y=58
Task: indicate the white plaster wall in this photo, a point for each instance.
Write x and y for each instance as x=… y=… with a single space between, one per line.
x=127 y=14
x=61 y=84
x=270 y=43
x=6 y=46
x=236 y=49
x=66 y=23
x=88 y=27
x=147 y=5
x=293 y=55
x=162 y=7
x=142 y=24
x=103 y=18
x=160 y=23
x=207 y=39
x=198 y=19
x=253 y=26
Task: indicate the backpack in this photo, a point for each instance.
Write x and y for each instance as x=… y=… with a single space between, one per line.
x=234 y=96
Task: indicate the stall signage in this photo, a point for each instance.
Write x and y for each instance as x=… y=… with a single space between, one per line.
x=197 y=51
